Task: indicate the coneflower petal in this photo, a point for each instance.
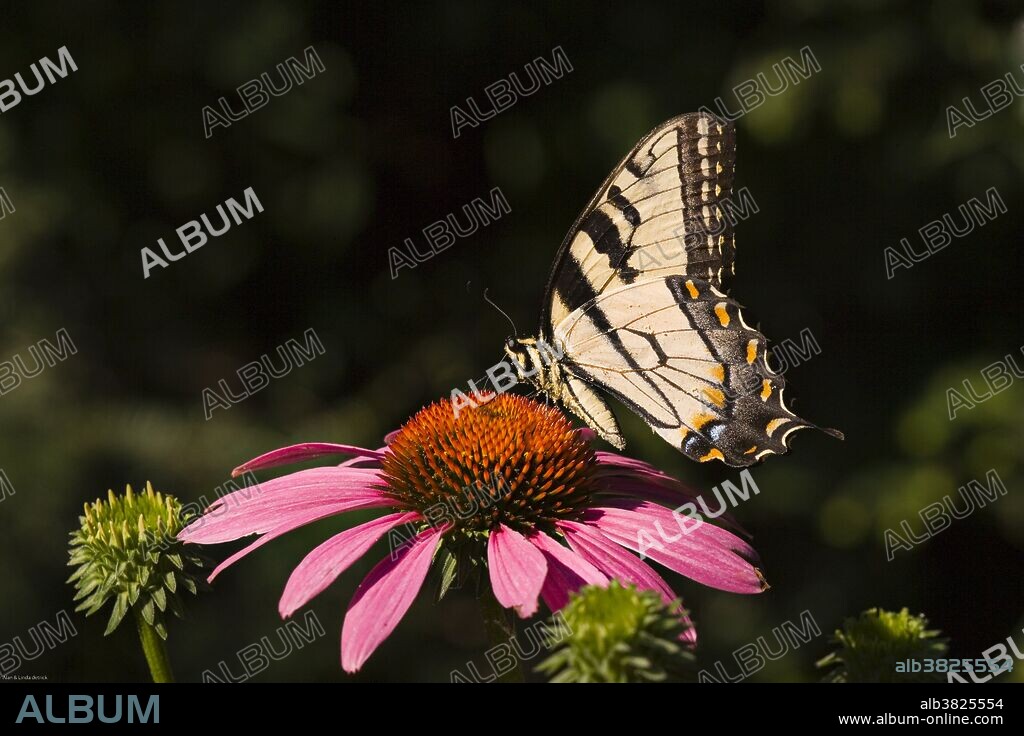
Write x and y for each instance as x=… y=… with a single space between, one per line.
x=708 y=554
x=642 y=488
x=517 y=570
x=567 y=572
x=612 y=559
x=383 y=598
x=621 y=475
x=363 y=460
x=617 y=563
x=613 y=460
x=293 y=500
x=301 y=452
x=325 y=563
x=292 y=522
x=252 y=547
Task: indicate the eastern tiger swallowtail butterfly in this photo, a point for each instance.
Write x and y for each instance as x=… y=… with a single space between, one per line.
x=635 y=306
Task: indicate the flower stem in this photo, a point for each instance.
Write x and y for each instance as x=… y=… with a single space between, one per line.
x=500 y=629
x=155 y=650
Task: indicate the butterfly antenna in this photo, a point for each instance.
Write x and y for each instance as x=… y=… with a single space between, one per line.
x=488 y=300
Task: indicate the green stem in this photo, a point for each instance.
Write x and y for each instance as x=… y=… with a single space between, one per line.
x=500 y=629
x=155 y=650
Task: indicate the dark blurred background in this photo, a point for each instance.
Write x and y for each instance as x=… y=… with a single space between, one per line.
x=362 y=156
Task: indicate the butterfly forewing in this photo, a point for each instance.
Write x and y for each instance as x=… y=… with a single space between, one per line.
x=658 y=213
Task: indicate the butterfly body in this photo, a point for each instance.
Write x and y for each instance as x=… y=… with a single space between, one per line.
x=539 y=362
x=636 y=307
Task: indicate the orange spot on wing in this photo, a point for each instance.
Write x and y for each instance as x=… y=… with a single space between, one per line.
x=718 y=373
x=716 y=395
x=702 y=419
x=751 y=351
x=766 y=390
x=722 y=313
x=751 y=451
x=692 y=289
x=715 y=454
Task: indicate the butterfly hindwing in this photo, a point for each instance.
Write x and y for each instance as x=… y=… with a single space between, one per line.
x=676 y=350
x=658 y=213
x=587 y=403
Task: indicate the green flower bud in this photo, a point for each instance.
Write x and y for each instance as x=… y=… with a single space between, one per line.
x=618 y=634
x=871 y=645
x=125 y=551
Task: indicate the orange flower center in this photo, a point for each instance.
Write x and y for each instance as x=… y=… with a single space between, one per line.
x=512 y=461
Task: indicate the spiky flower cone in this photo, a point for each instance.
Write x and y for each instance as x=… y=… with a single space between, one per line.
x=618 y=634
x=125 y=552
x=871 y=645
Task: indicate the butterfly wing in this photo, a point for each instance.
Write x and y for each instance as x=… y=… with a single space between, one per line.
x=636 y=299
x=658 y=213
x=677 y=352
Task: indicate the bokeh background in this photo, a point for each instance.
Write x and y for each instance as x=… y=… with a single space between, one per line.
x=362 y=156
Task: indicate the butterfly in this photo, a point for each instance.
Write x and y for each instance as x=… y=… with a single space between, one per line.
x=636 y=307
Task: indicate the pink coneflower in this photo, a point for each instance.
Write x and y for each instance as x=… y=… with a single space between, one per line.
x=521 y=493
